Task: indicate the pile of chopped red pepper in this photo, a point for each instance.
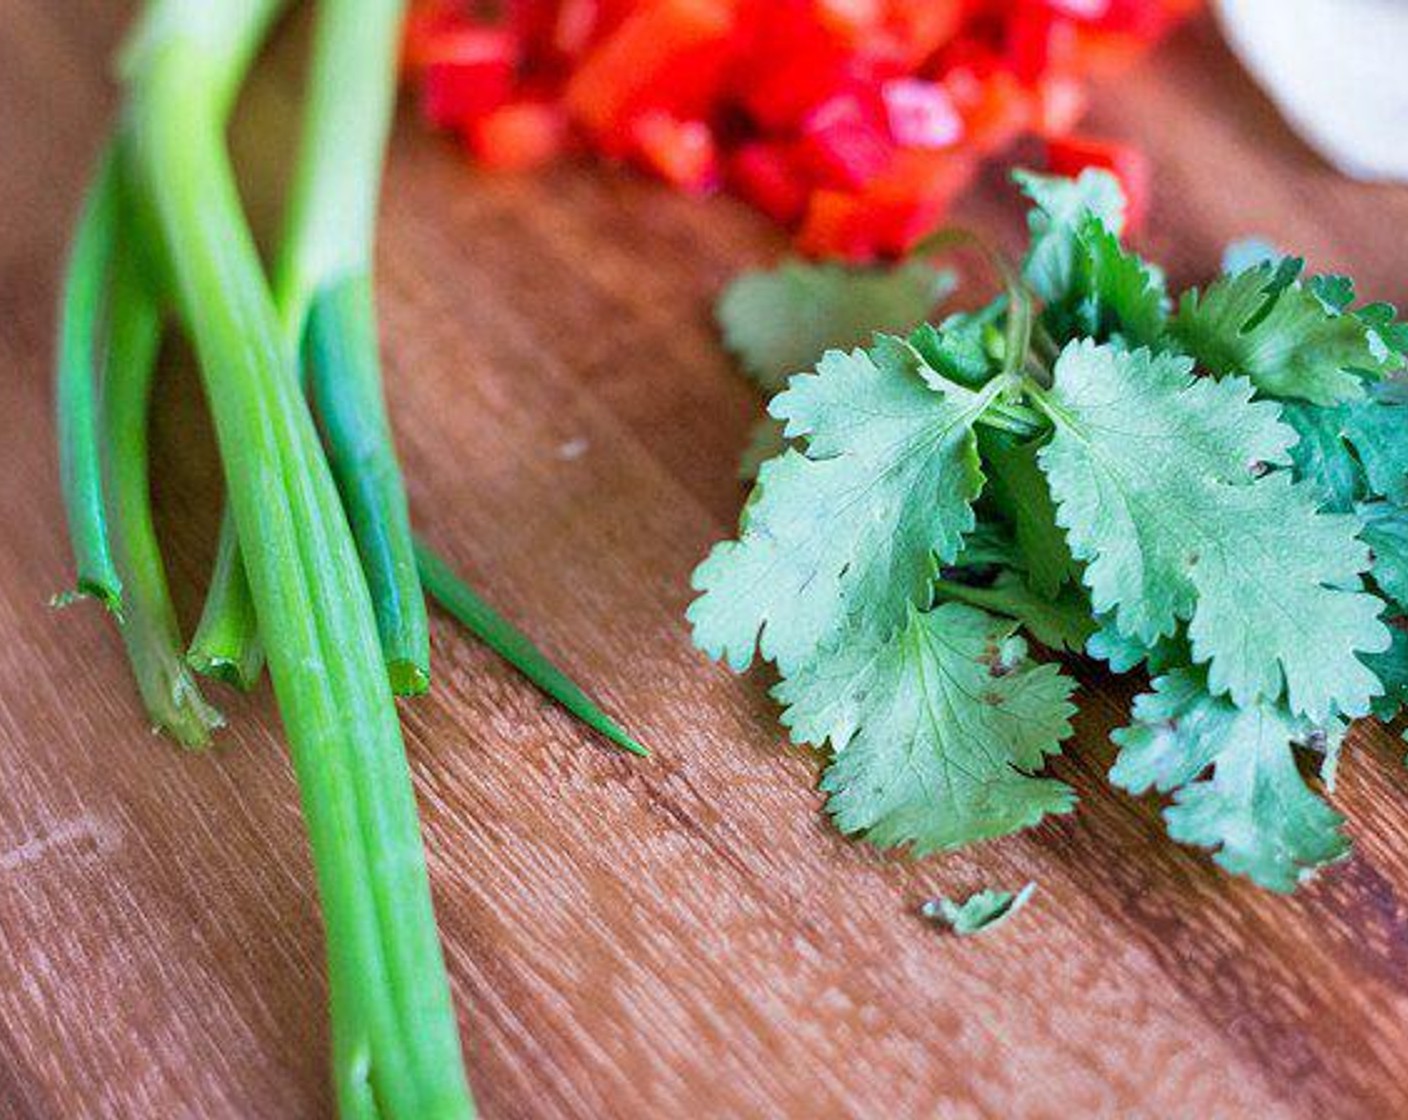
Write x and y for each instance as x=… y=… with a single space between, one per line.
x=855 y=122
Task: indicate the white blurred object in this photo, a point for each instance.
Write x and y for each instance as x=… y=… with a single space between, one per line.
x=1336 y=70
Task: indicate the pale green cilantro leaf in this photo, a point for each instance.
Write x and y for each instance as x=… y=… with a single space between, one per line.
x=980 y=912
x=937 y=731
x=1282 y=337
x=1061 y=208
x=842 y=537
x=780 y=321
x=1253 y=807
x=1153 y=472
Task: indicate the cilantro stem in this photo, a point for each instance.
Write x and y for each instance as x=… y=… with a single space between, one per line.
x=460 y=601
x=396 y=1050
x=148 y=620
x=75 y=392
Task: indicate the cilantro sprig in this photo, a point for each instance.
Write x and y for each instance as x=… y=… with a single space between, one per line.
x=1211 y=489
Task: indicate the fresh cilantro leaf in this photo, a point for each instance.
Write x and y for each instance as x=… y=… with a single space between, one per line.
x=985 y=910
x=1062 y=207
x=1151 y=472
x=1018 y=490
x=1064 y=622
x=1254 y=807
x=843 y=536
x=1124 y=653
x=1322 y=458
x=1385 y=531
x=1378 y=429
x=937 y=731
x=1113 y=293
x=1292 y=346
x=1391 y=667
x=966 y=347
x=780 y=321
x=988 y=545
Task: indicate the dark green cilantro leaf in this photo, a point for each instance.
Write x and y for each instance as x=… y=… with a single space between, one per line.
x=1123 y=653
x=1061 y=209
x=765 y=441
x=780 y=321
x=1385 y=531
x=1391 y=667
x=1064 y=622
x=1378 y=429
x=1321 y=457
x=966 y=347
x=1018 y=490
x=1283 y=338
x=937 y=731
x=1152 y=471
x=980 y=912
x=843 y=536
x=1254 y=807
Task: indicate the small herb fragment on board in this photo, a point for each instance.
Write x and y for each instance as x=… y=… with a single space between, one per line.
x=979 y=913
x=1210 y=488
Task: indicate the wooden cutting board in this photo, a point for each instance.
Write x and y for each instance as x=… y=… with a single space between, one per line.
x=680 y=938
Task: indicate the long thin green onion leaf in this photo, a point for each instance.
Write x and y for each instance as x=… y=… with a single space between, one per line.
x=148 y=620
x=397 y=1049
x=226 y=642
x=75 y=391
x=510 y=643
x=340 y=356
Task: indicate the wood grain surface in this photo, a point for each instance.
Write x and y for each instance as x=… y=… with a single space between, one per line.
x=683 y=938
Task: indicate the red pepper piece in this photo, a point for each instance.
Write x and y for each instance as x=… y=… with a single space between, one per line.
x=467 y=73
x=668 y=54
x=845 y=143
x=519 y=135
x=1071 y=155
x=921 y=114
x=680 y=152
x=765 y=175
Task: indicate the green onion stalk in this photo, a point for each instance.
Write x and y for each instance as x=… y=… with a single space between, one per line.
x=324 y=294
x=396 y=1050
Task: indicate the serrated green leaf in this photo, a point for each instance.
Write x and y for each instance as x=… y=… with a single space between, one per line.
x=1123 y=653
x=843 y=536
x=1385 y=531
x=1297 y=348
x=1061 y=207
x=937 y=730
x=964 y=347
x=1378 y=429
x=1064 y=622
x=1114 y=294
x=1018 y=491
x=1321 y=457
x=1254 y=808
x=1391 y=667
x=1152 y=472
x=780 y=321
x=980 y=912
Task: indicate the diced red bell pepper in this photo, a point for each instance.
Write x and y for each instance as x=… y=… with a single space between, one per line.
x=1060 y=104
x=844 y=143
x=1071 y=155
x=467 y=73
x=1040 y=41
x=669 y=55
x=914 y=29
x=765 y=175
x=996 y=109
x=519 y=136
x=426 y=23
x=836 y=226
x=921 y=114
x=680 y=152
